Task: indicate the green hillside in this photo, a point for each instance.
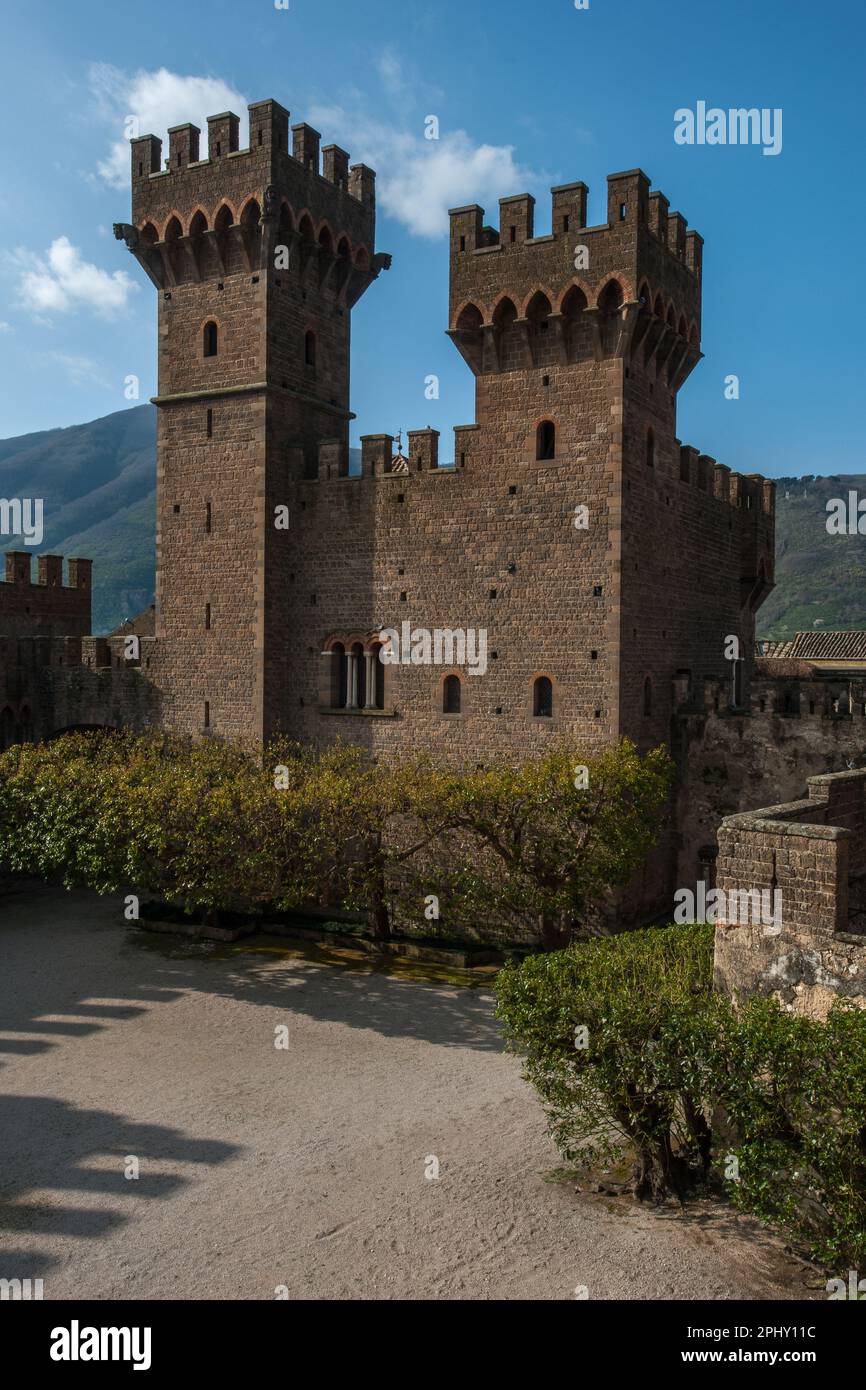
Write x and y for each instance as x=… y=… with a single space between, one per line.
x=97 y=483
x=820 y=578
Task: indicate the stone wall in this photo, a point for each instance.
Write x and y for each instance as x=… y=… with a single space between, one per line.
x=813 y=853
x=796 y=725
x=48 y=607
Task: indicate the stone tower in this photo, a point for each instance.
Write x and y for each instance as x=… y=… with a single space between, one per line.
x=258 y=256
x=580 y=341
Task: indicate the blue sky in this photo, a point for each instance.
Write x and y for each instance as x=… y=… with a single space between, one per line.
x=528 y=93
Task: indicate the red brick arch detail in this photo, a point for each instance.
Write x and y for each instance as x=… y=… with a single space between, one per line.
x=344 y=237
x=195 y=212
x=172 y=216
x=253 y=198
x=537 y=289
x=575 y=283
x=285 y=204
x=530 y=695
x=650 y=297
x=623 y=282
x=361 y=251
x=225 y=203
x=305 y=212
x=210 y=318
x=325 y=226
x=439 y=690
x=470 y=304
x=659 y=296
x=694 y=333
x=505 y=295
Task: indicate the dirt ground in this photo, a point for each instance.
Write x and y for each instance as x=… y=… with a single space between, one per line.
x=303 y=1168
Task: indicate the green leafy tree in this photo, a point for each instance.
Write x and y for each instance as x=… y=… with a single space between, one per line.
x=541 y=843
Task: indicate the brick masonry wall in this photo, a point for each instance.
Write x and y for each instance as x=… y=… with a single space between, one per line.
x=812 y=852
x=48 y=607
x=731 y=761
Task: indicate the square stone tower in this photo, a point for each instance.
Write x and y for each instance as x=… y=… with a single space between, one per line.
x=258 y=256
x=580 y=341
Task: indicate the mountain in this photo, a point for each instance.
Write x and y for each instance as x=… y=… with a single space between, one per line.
x=97 y=482
x=98 y=487
x=820 y=577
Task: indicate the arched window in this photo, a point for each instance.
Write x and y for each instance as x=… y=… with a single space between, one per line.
x=545 y=440
x=376 y=678
x=210 y=339
x=647 y=698
x=451 y=695
x=310 y=348
x=356 y=678
x=650 y=449
x=337 y=676
x=542 y=698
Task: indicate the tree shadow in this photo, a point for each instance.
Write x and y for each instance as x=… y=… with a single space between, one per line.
x=333 y=985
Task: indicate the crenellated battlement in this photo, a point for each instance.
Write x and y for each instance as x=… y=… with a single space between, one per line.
x=598 y=290
x=46 y=607
x=746 y=491
x=198 y=217
x=49 y=572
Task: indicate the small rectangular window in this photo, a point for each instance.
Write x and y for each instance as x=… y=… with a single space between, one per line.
x=207 y=714
x=566 y=223
x=210 y=424
x=208 y=518
x=207 y=616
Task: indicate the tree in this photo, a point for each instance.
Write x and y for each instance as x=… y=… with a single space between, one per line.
x=542 y=842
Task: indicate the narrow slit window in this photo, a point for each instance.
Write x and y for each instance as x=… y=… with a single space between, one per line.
x=546 y=440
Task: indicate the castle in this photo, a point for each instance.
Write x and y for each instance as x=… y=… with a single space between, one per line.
x=612 y=572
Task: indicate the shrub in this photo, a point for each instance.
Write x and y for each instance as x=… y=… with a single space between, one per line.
x=794 y=1090
x=666 y=1058
x=639 y=1077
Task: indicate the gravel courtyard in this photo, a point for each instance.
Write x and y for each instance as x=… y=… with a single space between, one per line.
x=301 y=1167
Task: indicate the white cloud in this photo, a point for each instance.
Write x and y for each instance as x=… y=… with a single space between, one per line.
x=81 y=371
x=61 y=281
x=5 y=327
x=154 y=101
x=418 y=180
